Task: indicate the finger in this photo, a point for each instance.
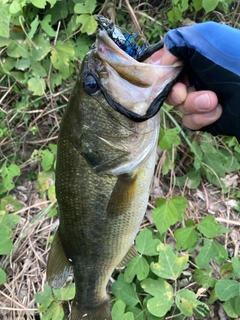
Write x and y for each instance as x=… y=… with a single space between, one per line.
x=163 y=57
x=167 y=57
x=198 y=102
x=197 y=121
x=177 y=95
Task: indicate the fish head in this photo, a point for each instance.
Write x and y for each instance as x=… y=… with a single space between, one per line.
x=109 y=122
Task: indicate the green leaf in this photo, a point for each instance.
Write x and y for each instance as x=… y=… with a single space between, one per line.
x=52 y=194
x=53 y=148
x=186 y=237
x=205 y=254
x=44 y=298
x=83 y=44
x=220 y=254
x=22 y=64
x=59 y=11
x=226 y=271
x=227 y=289
x=47 y=160
x=201 y=310
x=190 y=223
x=10 y=204
x=37 y=86
x=38 y=70
x=208 y=226
x=65 y=293
x=8 y=173
x=4 y=20
x=192 y=179
x=197 y=4
x=4 y=42
x=186 y=302
x=211 y=250
x=174 y=15
x=19 y=76
x=89 y=24
x=55 y=312
x=162 y=293
x=88 y=6
x=5 y=239
x=146 y=243
x=222 y=230
x=8 y=64
x=232 y=307
x=118 y=311
x=61 y=56
x=198 y=154
x=55 y=80
x=11 y=220
x=52 y=213
x=169 y=212
x=169 y=139
x=167 y=165
x=39 y=3
x=149 y=316
x=42 y=47
x=204 y=278
x=15 y=7
x=45 y=23
x=3 y=276
x=33 y=26
x=125 y=291
x=209 y=5
x=17 y=49
x=236 y=266
x=137 y=266
x=138 y=313
x=46 y=180
x=184 y=5
x=170 y=266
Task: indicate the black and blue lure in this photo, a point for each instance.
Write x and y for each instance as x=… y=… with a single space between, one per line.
x=130 y=46
x=125 y=41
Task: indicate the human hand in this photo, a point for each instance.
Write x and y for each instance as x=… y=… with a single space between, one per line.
x=211 y=52
x=199 y=108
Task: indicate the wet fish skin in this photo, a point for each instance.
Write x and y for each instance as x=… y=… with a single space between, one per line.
x=105 y=165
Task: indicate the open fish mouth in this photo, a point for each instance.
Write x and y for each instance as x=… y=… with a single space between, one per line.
x=144 y=86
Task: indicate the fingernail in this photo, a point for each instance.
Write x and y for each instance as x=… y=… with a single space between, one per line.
x=212 y=114
x=156 y=58
x=202 y=102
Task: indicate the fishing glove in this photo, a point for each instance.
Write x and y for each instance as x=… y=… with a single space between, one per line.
x=212 y=55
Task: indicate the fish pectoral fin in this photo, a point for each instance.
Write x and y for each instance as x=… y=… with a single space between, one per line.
x=58 y=266
x=132 y=252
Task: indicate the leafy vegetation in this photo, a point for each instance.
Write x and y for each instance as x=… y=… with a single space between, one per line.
x=186 y=262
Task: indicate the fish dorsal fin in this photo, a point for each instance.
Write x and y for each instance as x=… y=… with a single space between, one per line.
x=132 y=252
x=58 y=266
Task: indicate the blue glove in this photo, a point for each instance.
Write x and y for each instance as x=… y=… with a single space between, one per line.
x=212 y=53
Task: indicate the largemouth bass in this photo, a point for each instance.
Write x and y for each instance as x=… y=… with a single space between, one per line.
x=105 y=163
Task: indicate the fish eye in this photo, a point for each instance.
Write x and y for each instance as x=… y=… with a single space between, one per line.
x=90 y=84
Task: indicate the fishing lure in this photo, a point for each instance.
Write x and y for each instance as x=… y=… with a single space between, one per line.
x=131 y=48
x=125 y=41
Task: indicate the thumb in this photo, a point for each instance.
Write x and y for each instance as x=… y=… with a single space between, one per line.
x=163 y=57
